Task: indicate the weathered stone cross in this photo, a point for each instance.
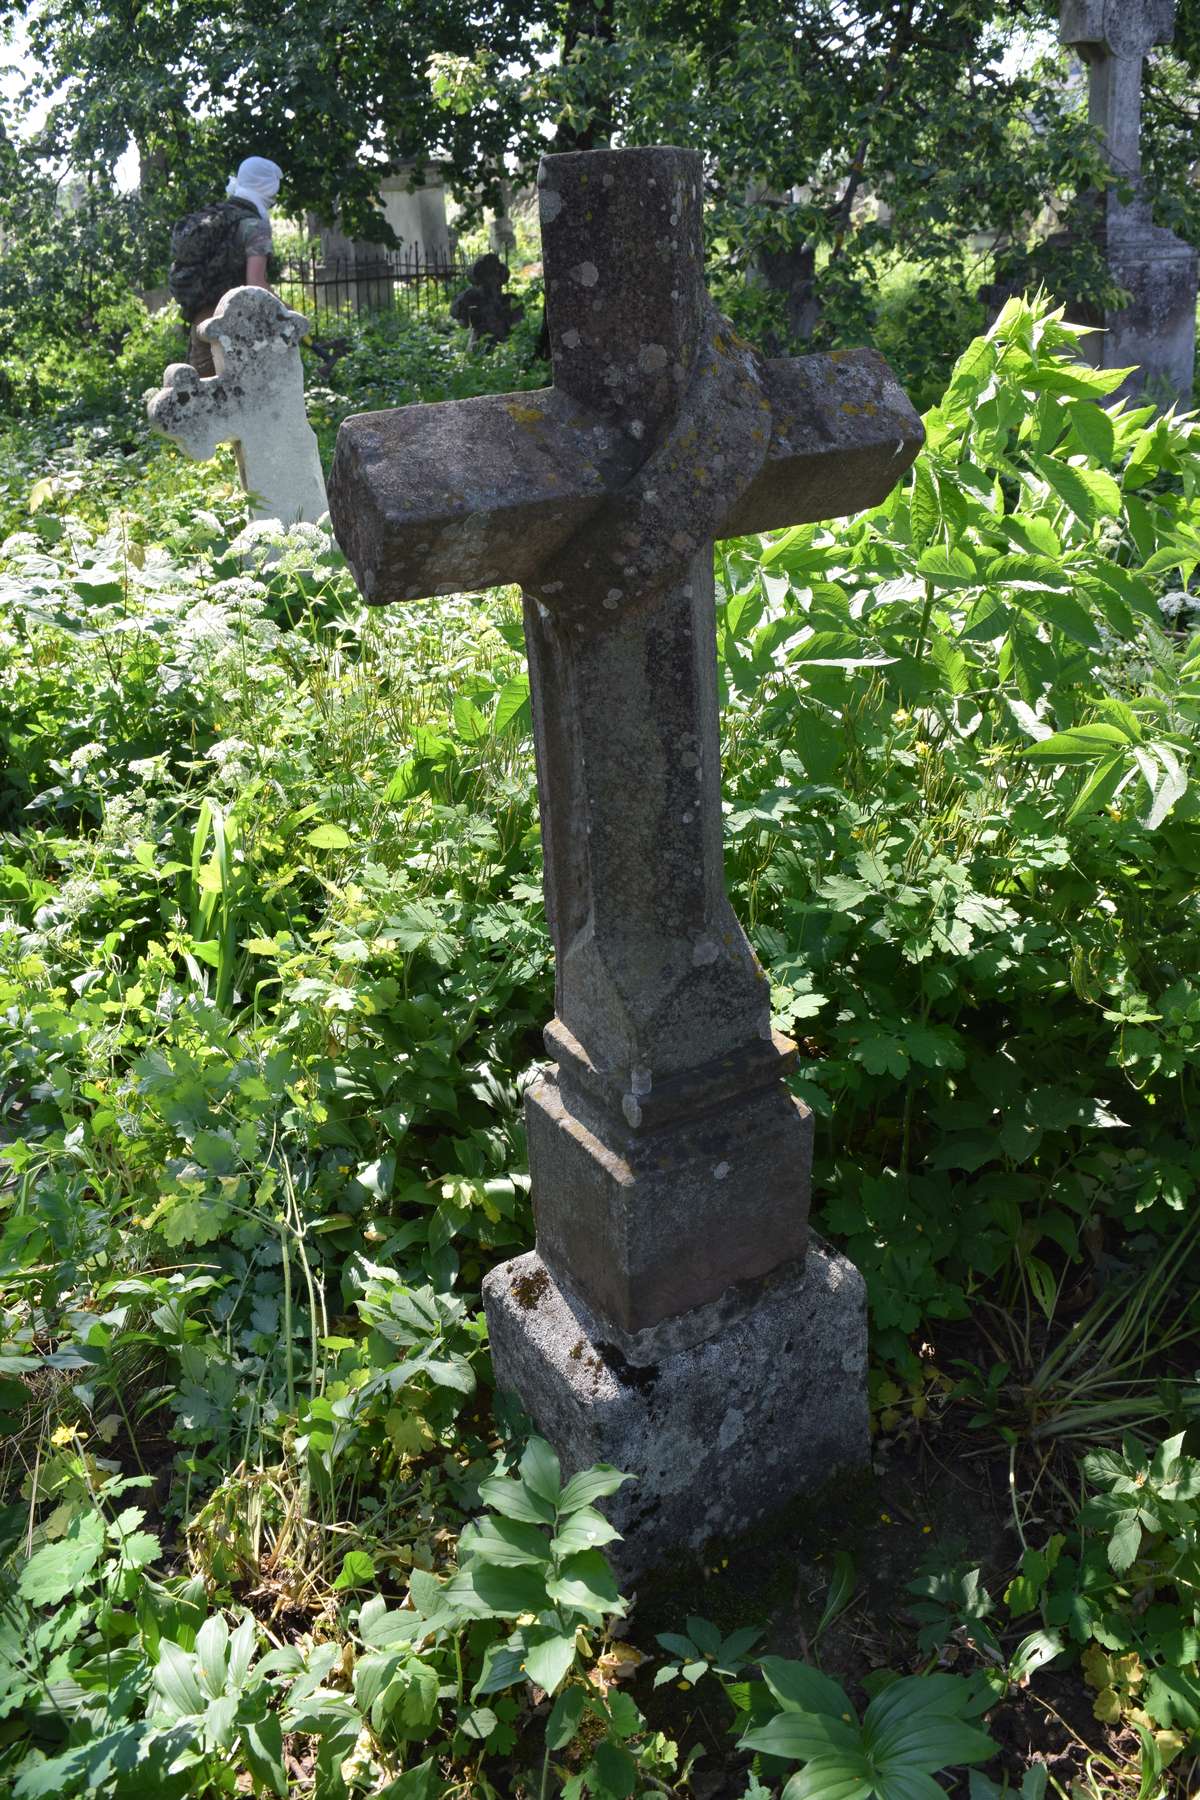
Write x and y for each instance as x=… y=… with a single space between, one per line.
x=255 y=402
x=1157 y=329
x=668 y=1299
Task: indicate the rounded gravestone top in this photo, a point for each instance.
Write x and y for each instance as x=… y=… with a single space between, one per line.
x=1132 y=26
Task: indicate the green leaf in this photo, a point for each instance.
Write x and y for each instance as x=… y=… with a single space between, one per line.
x=797 y=1685
x=616 y=1769
x=1090 y=494
x=58 y=1569
x=212 y=1653
x=584 y=1530
x=176 y=1680
x=1094 y=429
x=1098 y=789
x=844 y=1776
x=564 y=1718
x=328 y=837
x=1124 y=1544
x=512 y=708
x=1066 y=615
x=586 y=1583
x=357 y=1569
x=549 y=1655
x=948 y=1695
x=262 y=1746
x=469 y=722
x=589 y=1485
x=508 y=1542
x=540 y=1471
x=484 y=1591
x=928 y=1741
x=948 y=568
x=1080 y=744
x=516 y=1501
x=801 y=1736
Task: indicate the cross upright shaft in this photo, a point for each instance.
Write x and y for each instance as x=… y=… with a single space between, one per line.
x=669 y=1164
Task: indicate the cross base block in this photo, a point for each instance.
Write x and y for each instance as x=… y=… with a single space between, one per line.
x=719 y=1435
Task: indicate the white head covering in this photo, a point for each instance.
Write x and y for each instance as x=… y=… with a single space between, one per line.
x=257 y=181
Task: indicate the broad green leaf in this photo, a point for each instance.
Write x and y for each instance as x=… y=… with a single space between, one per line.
x=948 y=568
x=357 y=1569
x=564 y=1718
x=584 y=1530
x=540 y=1471
x=589 y=1485
x=1124 y=1544
x=516 y=1500
x=1098 y=789
x=57 y=1570
x=928 y=1741
x=485 y=1591
x=1090 y=494
x=328 y=837
x=1094 y=429
x=507 y=1542
x=175 y=1677
x=1080 y=744
x=796 y=1685
x=586 y=1583
x=512 y=707
x=1066 y=615
x=843 y=1776
x=469 y=722
x=616 y=1770
x=802 y=1736
x=262 y=1747
x=212 y=1652
x=549 y=1655
x=948 y=1695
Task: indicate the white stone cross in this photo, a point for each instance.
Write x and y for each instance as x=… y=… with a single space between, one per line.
x=255 y=402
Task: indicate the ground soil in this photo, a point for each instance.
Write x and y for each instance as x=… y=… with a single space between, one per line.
x=935 y=1500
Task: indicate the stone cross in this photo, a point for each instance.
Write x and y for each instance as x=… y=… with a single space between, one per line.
x=255 y=401
x=1157 y=329
x=668 y=1320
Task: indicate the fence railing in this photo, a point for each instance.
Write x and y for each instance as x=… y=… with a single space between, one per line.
x=410 y=280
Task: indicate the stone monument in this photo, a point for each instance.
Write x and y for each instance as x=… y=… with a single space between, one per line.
x=484 y=308
x=255 y=402
x=675 y=1318
x=1157 y=330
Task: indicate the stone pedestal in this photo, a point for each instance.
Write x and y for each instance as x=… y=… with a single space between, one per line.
x=1157 y=330
x=720 y=1434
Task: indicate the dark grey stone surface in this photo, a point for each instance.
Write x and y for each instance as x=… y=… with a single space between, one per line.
x=1156 y=330
x=719 y=1435
x=669 y=1164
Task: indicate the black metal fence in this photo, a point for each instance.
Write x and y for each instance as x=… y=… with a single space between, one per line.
x=409 y=280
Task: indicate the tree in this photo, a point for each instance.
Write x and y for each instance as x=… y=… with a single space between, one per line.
x=338 y=97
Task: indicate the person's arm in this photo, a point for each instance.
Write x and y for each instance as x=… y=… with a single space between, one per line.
x=256 y=272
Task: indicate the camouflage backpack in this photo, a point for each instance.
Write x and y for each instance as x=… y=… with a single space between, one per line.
x=207 y=257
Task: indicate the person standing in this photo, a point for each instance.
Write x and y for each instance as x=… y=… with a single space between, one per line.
x=223 y=246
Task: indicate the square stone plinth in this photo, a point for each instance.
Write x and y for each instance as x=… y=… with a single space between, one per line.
x=718 y=1435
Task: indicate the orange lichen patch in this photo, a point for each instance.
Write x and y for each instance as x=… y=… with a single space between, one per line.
x=848 y=406
x=523 y=415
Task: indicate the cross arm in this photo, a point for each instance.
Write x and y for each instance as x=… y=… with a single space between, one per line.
x=477 y=493
x=842 y=434
x=1128 y=28
x=469 y=493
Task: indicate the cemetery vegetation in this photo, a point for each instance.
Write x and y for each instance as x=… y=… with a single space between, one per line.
x=273 y=968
